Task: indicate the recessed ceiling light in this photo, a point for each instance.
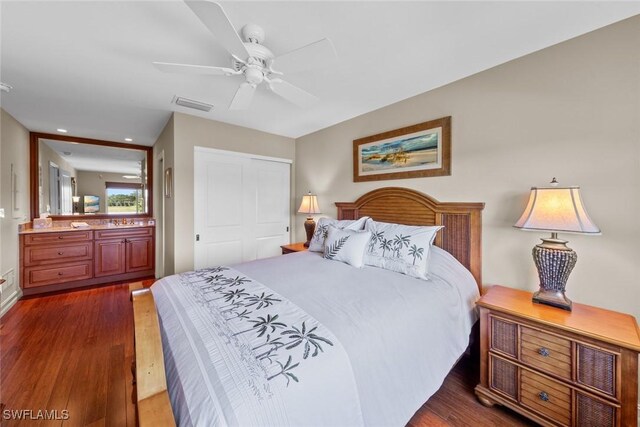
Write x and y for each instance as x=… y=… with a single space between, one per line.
x=128 y=139
x=66 y=153
x=62 y=130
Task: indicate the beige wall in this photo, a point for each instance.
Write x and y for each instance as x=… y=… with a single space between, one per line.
x=165 y=229
x=46 y=155
x=189 y=132
x=14 y=149
x=571 y=111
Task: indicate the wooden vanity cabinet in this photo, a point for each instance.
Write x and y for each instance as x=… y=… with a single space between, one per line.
x=52 y=261
x=123 y=251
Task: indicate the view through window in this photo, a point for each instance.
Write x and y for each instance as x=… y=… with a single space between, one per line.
x=125 y=199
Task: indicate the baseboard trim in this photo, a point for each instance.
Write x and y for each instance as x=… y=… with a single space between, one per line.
x=9 y=302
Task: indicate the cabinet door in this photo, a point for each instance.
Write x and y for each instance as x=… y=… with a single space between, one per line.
x=139 y=254
x=109 y=257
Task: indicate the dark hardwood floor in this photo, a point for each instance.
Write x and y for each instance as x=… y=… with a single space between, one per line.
x=73 y=351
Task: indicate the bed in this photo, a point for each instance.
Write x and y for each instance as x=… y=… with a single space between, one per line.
x=329 y=345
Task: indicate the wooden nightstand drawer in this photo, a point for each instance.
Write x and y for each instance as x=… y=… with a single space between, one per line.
x=504 y=336
x=597 y=369
x=548 y=397
x=595 y=412
x=547 y=352
x=504 y=377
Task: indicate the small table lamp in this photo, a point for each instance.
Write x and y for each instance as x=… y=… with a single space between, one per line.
x=76 y=200
x=555 y=209
x=309 y=206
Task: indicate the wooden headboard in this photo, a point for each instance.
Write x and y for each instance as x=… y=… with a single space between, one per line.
x=462 y=232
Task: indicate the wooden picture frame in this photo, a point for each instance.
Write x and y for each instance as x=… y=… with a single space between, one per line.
x=416 y=151
x=168 y=183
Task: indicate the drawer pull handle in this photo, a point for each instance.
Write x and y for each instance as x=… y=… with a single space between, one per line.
x=543 y=396
x=60 y=273
x=60 y=253
x=60 y=237
x=543 y=352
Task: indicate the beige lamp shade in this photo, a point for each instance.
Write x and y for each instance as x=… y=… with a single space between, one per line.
x=556 y=209
x=309 y=204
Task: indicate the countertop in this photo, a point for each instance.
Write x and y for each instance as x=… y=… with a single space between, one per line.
x=90 y=227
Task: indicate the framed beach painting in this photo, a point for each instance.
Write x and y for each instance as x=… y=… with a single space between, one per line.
x=91 y=204
x=411 y=152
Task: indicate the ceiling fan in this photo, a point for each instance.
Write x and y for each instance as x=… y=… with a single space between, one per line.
x=253 y=60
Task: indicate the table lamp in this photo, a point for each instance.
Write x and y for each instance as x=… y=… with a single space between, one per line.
x=309 y=206
x=76 y=200
x=555 y=209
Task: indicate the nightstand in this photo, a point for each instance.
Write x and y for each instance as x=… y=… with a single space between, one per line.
x=293 y=247
x=558 y=368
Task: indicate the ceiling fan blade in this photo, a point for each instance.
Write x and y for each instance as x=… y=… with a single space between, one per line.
x=193 y=69
x=213 y=17
x=243 y=97
x=314 y=55
x=292 y=93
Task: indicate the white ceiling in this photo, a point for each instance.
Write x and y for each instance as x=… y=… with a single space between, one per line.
x=86 y=65
x=98 y=158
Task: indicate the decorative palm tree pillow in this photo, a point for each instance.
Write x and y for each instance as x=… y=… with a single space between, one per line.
x=320 y=233
x=346 y=245
x=401 y=248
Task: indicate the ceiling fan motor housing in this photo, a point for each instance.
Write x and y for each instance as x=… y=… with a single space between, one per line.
x=252 y=33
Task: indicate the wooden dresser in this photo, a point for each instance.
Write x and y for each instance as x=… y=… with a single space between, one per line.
x=56 y=260
x=559 y=368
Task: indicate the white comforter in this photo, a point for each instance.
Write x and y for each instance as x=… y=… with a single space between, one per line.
x=401 y=336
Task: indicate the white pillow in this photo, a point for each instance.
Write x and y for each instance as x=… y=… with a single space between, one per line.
x=346 y=245
x=401 y=248
x=322 y=227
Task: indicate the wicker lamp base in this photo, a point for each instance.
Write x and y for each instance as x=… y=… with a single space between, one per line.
x=554 y=261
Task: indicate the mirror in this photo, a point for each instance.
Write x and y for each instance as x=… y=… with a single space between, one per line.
x=75 y=177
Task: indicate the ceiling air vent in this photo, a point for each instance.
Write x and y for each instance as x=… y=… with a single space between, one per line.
x=190 y=103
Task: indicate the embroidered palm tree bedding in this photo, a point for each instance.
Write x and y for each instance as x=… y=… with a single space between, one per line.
x=301 y=340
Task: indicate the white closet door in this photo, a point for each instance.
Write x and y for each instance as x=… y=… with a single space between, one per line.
x=272 y=207
x=241 y=208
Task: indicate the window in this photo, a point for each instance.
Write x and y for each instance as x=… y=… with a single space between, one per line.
x=125 y=198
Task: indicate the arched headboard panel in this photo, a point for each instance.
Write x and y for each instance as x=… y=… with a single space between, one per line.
x=462 y=222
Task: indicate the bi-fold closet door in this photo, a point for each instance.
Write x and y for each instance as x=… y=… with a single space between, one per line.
x=241 y=207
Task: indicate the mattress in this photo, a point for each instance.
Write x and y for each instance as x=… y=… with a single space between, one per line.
x=400 y=337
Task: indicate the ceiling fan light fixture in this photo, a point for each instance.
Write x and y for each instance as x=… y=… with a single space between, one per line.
x=190 y=103
x=250 y=58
